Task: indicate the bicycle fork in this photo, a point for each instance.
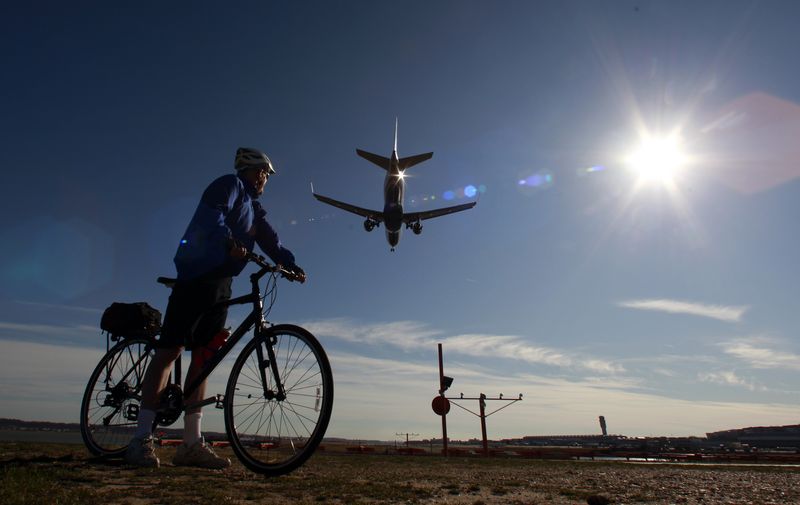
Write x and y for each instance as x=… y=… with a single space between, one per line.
x=278 y=393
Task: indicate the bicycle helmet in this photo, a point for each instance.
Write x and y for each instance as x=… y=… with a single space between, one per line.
x=247 y=157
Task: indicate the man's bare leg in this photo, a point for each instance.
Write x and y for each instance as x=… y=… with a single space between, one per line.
x=156 y=376
x=194 y=451
x=199 y=393
x=193 y=415
x=140 y=451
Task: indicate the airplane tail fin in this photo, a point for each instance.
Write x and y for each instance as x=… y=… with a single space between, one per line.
x=384 y=163
x=410 y=161
x=395 y=135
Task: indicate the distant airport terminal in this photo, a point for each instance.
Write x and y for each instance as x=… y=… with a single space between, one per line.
x=769 y=438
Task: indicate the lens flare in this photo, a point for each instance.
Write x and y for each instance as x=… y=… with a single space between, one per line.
x=536 y=181
x=657 y=159
x=468 y=191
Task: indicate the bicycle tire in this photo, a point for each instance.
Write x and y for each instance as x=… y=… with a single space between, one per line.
x=269 y=436
x=111 y=401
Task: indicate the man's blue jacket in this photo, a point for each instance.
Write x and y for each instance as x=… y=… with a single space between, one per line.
x=228 y=212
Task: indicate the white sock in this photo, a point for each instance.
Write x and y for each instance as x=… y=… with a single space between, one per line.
x=191 y=428
x=144 y=428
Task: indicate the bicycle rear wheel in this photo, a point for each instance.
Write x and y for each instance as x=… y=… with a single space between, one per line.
x=111 y=401
x=270 y=435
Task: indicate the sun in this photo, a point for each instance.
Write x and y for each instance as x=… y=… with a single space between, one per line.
x=657 y=160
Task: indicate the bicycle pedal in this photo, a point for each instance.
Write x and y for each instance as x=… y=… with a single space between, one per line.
x=220 y=403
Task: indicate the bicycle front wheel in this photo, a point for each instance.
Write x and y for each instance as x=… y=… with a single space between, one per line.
x=271 y=434
x=110 y=406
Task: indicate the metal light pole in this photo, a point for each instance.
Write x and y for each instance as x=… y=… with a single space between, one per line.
x=441 y=394
x=482 y=402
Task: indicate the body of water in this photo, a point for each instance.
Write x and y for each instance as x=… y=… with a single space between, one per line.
x=46 y=437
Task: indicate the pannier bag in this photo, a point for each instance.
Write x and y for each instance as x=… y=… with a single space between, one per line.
x=131 y=320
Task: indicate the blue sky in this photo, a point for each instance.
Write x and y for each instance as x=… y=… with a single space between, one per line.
x=670 y=308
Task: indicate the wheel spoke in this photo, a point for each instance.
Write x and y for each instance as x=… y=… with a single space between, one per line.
x=113 y=387
x=273 y=435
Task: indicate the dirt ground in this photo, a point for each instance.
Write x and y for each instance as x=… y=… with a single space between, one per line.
x=65 y=474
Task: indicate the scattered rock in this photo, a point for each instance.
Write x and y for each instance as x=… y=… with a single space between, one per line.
x=597 y=499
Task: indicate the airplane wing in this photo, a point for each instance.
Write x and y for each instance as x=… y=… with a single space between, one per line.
x=412 y=217
x=371 y=214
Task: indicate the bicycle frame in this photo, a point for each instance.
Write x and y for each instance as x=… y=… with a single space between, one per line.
x=254 y=318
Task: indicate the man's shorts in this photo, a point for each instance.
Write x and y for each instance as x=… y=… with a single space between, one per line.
x=190 y=320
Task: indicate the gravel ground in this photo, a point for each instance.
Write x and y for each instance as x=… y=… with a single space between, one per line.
x=65 y=474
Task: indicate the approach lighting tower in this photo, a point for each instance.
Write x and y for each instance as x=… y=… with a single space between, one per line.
x=441 y=406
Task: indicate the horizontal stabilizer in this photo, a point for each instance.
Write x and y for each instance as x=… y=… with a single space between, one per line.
x=410 y=161
x=382 y=162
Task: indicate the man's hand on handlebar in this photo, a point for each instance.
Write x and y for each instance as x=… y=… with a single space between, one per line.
x=237 y=251
x=298 y=274
x=293 y=273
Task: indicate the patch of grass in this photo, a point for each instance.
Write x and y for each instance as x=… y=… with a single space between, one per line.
x=499 y=491
x=453 y=489
x=578 y=494
x=47 y=473
x=35 y=485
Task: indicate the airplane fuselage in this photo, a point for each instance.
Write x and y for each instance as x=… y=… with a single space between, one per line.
x=393 y=190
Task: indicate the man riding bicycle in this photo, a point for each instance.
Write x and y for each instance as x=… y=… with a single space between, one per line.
x=227 y=224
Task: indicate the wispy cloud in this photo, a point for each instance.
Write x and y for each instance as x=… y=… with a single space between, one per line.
x=732 y=314
x=755 y=353
x=91 y=310
x=410 y=335
x=671 y=359
x=48 y=329
x=728 y=378
x=402 y=334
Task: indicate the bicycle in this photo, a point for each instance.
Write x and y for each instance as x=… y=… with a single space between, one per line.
x=278 y=399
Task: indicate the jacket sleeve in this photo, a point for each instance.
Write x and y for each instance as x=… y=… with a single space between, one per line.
x=216 y=202
x=267 y=239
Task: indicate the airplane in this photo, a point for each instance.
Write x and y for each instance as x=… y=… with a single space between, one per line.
x=393 y=216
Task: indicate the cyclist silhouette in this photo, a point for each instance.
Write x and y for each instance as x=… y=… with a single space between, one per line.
x=227 y=224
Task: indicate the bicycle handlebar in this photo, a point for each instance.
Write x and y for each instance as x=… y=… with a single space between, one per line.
x=280 y=269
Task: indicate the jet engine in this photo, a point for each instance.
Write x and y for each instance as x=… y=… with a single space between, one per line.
x=369 y=224
x=416 y=228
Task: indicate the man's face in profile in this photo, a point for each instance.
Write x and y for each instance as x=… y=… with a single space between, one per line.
x=257 y=177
